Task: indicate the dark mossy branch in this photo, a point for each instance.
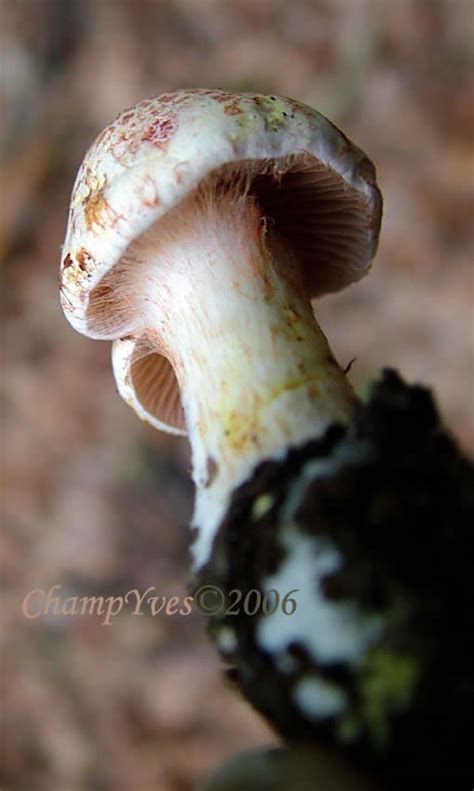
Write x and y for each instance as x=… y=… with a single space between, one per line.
x=399 y=508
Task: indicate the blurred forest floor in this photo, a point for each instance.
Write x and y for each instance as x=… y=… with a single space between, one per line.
x=96 y=502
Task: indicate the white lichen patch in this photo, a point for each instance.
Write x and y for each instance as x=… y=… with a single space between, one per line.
x=226 y=640
x=330 y=631
x=318 y=699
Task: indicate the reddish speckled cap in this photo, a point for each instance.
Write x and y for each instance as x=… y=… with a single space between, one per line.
x=155 y=154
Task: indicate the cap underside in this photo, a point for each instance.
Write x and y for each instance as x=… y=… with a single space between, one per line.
x=327 y=224
x=156 y=389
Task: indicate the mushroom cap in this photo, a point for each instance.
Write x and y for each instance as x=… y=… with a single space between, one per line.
x=317 y=186
x=153 y=155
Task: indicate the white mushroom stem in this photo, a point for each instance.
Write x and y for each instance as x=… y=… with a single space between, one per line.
x=225 y=298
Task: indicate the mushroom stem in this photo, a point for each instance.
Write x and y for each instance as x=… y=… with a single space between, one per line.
x=225 y=296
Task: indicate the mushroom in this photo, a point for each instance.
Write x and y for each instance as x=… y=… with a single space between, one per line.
x=202 y=223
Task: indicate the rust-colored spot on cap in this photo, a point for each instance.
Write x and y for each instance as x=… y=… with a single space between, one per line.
x=232 y=109
x=161 y=129
x=222 y=96
x=67 y=262
x=95 y=207
x=83 y=259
